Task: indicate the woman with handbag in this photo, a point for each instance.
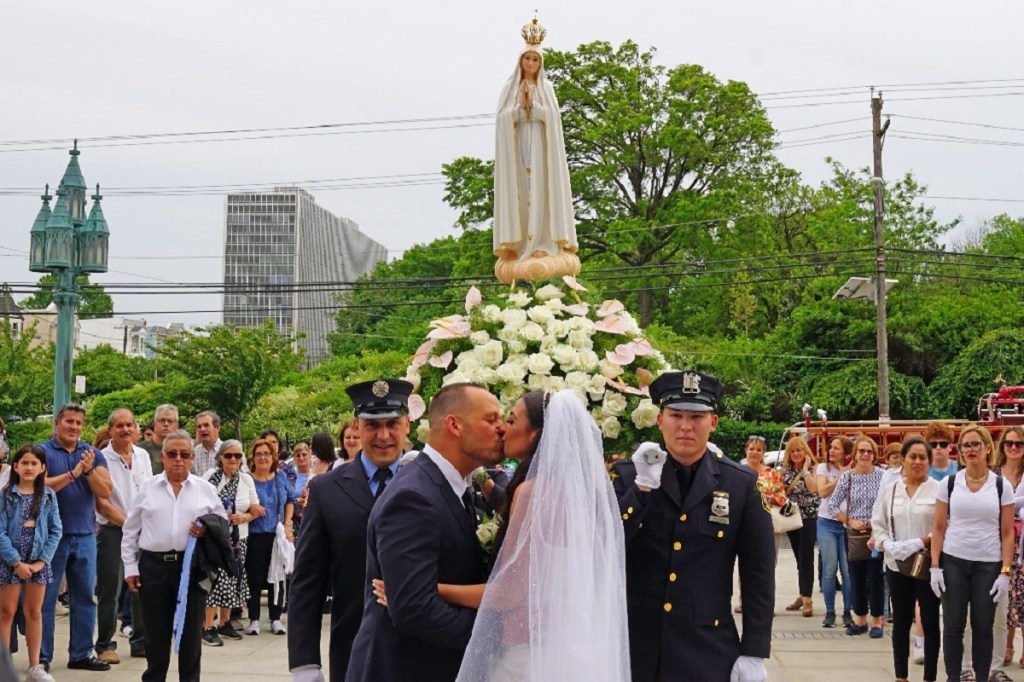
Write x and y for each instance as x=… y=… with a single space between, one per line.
x=859 y=488
x=972 y=552
x=831 y=533
x=773 y=493
x=902 y=521
x=1010 y=453
x=801 y=490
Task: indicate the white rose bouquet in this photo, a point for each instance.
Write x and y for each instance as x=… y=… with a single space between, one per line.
x=550 y=339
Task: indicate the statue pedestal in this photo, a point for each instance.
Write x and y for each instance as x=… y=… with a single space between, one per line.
x=534 y=269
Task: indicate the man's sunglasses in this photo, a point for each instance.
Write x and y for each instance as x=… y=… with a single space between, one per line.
x=178 y=454
x=939 y=443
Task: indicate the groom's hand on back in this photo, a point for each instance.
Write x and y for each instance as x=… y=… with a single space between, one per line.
x=649 y=459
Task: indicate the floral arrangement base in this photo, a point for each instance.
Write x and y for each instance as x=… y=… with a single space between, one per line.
x=537 y=268
x=549 y=339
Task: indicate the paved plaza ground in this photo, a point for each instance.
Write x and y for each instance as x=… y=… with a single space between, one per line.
x=802 y=651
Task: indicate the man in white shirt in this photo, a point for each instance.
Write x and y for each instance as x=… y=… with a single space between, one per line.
x=129 y=467
x=156 y=533
x=207 y=442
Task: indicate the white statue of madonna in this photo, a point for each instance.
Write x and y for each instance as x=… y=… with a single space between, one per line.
x=534 y=227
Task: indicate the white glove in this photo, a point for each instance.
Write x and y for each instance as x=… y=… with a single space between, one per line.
x=748 y=669
x=308 y=674
x=903 y=549
x=938 y=581
x=1000 y=588
x=649 y=459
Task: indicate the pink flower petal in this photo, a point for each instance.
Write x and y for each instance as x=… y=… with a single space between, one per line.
x=644 y=377
x=473 y=299
x=573 y=284
x=641 y=347
x=441 y=361
x=422 y=353
x=612 y=325
x=610 y=307
x=451 y=327
x=578 y=310
x=622 y=387
x=621 y=356
x=416 y=406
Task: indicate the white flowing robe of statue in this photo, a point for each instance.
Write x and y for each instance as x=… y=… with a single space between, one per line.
x=554 y=609
x=533 y=208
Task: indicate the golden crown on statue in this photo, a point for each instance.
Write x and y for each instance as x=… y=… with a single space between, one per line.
x=534 y=32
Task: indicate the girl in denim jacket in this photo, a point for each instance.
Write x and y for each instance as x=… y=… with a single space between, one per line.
x=30 y=529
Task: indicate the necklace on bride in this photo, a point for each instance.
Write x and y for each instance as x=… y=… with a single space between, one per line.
x=976 y=480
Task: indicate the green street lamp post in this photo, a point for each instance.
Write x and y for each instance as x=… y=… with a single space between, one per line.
x=66 y=244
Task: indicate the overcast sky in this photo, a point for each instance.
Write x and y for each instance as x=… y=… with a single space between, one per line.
x=103 y=68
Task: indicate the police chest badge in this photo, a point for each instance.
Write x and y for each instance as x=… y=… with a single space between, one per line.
x=720 y=507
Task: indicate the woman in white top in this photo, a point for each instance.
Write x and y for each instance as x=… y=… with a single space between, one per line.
x=902 y=520
x=972 y=552
x=832 y=533
x=238 y=494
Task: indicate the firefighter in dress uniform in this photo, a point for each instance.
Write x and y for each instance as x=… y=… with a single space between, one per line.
x=688 y=515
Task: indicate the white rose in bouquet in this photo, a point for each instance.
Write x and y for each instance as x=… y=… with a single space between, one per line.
x=645 y=415
x=547 y=292
x=588 y=360
x=554 y=305
x=535 y=382
x=468 y=361
x=515 y=345
x=582 y=323
x=540 y=314
x=547 y=344
x=455 y=377
x=614 y=403
x=479 y=338
x=553 y=384
x=565 y=356
x=513 y=318
x=531 y=331
x=577 y=380
x=423 y=431
x=510 y=394
x=540 y=363
x=580 y=338
x=508 y=334
x=491 y=313
x=518 y=299
x=558 y=328
x=610 y=427
x=511 y=373
x=610 y=370
x=491 y=353
x=632 y=328
x=596 y=386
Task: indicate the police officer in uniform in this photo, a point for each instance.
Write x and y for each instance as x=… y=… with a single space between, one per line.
x=332 y=545
x=688 y=515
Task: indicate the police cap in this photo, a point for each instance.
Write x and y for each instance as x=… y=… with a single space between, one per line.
x=380 y=398
x=691 y=391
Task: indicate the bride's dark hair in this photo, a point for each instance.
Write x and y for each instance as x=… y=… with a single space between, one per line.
x=534 y=402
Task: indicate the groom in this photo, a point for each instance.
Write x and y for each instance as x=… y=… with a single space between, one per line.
x=421 y=533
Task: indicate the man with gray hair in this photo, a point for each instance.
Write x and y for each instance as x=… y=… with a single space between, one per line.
x=156 y=532
x=207 y=442
x=165 y=421
x=129 y=468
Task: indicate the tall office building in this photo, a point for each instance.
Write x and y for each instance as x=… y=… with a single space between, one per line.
x=277 y=245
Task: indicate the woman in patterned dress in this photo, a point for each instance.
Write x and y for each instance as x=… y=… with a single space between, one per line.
x=859 y=487
x=238 y=493
x=1011 y=466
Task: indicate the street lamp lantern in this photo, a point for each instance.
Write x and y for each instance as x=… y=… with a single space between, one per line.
x=94 y=238
x=37 y=252
x=60 y=235
x=66 y=244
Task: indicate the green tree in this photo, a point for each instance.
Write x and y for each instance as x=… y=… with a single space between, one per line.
x=26 y=374
x=1004 y=236
x=652 y=152
x=95 y=301
x=228 y=369
x=106 y=370
x=974 y=372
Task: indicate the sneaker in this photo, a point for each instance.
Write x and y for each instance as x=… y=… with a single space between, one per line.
x=847 y=619
x=227 y=631
x=967 y=676
x=108 y=656
x=918 y=655
x=829 y=621
x=277 y=627
x=37 y=673
x=210 y=637
x=127 y=632
x=999 y=676
x=253 y=628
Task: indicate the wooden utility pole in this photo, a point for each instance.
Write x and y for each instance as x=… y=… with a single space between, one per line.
x=881 y=331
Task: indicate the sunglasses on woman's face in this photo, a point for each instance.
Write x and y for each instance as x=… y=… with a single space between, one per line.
x=1008 y=444
x=232 y=455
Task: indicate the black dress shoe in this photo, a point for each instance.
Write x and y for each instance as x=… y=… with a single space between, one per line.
x=92 y=663
x=138 y=653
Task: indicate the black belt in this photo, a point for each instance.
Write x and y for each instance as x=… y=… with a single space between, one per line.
x=163 y=556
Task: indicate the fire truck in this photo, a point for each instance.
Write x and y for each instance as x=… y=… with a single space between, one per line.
x=996 y=410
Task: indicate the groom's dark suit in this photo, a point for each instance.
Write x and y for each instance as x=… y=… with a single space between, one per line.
x=419 y=535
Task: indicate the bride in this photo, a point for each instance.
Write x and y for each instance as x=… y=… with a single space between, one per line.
x=554 y=607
